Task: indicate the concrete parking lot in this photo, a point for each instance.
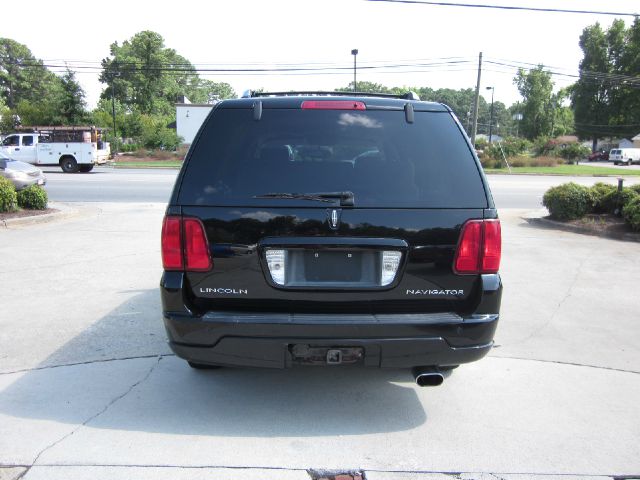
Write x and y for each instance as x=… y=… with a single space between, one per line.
x=88 y=388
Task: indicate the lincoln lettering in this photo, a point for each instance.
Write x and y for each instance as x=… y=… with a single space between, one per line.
x=435 y=292
x=229 y=291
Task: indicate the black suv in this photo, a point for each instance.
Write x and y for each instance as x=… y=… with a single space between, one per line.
x=311 y=229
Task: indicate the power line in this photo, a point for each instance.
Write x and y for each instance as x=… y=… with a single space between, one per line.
x=504 y=7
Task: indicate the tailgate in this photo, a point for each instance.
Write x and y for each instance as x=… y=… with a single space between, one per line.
x=293 y=259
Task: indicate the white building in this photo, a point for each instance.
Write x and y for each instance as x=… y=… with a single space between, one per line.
x=189 y=117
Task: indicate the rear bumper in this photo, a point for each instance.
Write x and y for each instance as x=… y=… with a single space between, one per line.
x=385 y=340
x=392 y=341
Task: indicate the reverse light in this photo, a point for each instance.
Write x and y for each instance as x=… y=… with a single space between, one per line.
x=184 y=245
x=333 y=105
x=389 y=266
x=479 y=249
x=276 y=263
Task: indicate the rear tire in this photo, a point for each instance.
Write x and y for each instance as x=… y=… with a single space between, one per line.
x=629 y=162
x=86 y=168
x=69 y=165
x=202 y=366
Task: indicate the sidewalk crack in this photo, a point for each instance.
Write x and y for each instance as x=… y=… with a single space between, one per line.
x=93 y=417
x=88 y=362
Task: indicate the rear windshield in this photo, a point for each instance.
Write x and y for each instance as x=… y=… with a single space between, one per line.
x=379 y=157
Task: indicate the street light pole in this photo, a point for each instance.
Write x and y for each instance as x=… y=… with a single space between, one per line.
x=354 y=52
x=493 y=89
x=113 y=110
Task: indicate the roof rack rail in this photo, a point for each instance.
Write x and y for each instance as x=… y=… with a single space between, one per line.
x=406 y=96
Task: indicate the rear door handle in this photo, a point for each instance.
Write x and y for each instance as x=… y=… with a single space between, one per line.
x=16 y=150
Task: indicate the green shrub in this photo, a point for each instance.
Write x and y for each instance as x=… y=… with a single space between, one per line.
x=543 y=146
x=32 y=198
x=523 y=161
x=635 y=188
x=511 y=147
x=631 y=213
x=8 y=198
x=488 y=162
x=598 y=193
x=568 y=201
x=614 y=201
x=573 y=151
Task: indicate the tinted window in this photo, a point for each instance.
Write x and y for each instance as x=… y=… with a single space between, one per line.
x=377 y=155
x=11 y=141
x=27 y=140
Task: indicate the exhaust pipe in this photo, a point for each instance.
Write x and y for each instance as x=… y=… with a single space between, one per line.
x=427 y=376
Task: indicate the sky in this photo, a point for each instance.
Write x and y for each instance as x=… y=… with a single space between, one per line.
x=444 y=41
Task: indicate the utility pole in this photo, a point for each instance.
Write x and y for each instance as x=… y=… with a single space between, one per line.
x=474 y=128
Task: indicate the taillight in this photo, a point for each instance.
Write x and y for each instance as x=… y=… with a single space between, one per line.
x=196 y=250
x=184 y=245
x=479 y=249
x=172 y=244
x=333 y=105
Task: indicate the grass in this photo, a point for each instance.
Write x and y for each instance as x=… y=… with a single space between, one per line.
x=570 y=170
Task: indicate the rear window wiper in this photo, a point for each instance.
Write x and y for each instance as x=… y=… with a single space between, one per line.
x=346 y=198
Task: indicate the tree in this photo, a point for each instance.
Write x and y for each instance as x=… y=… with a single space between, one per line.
x=538 y=107
x=71 y=100
x=146 y=76
x=606 y=97
x=368 y=87
x=22 y=76
x=207 y=91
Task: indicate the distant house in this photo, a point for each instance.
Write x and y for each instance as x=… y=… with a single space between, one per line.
x=626 y=143
x=636 y=141
x=189 y=118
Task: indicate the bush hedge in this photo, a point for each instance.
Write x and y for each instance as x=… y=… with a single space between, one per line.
x=8 y=197
x=568 y=201
x=32 y=198
x=598 y=193
x=614 y=201
x=631 y=213
x=571 y=201
x=573 y=151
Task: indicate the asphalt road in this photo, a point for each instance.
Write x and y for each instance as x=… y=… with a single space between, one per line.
x=105 y=184
x=89 y=389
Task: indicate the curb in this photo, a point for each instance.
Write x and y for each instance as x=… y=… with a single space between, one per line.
x=62 y=211
x=583 y=175
x=157 y=167
x=548 y=223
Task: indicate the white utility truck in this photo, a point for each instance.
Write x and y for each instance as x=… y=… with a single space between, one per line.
x=72 y=148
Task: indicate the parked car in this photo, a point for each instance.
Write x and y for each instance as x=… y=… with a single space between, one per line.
x=374 y=240
x=20 y=173
x=625 y=156
x=601 y=156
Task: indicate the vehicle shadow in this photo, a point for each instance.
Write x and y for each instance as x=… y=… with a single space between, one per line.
x=120 y=366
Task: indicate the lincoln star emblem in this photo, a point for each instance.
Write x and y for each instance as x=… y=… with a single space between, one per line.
x=334 y=218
